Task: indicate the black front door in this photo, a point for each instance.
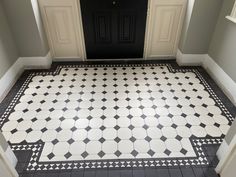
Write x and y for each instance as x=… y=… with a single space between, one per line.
x=114 y=28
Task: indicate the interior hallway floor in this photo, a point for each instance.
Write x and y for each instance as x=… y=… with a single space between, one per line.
x=116 y=119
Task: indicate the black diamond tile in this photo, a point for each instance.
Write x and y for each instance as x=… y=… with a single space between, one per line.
x=134 y=153
x=88 y=128
x=55 y=141
x=131 y=127
x=133 y=139
x=34 y=119
x=86 y=140
x=154 y=107
x=70 y=141
x=145 y=127
x=48 y=119
x=163 y=138
x=90 y=108
x=75 y=118
x=13 y=131
x=117 y=139
x=143 y=116
x=58 y=129
x=151 y=152
x=116 y=107
x=44 y=129
x=101 y=154
x=129 y=107
x=103 y=108
x=130 y=116
x=102 y=140
x=118 y=153
x=192 y=106
x=102 y=127
x=174 y=126
x=67 y=155
x=84 y=154
x=73 y=129
x=159 y=126
x=116 y=117
x=202 y=125
x=20 y=120
x=167 y=106
x=50 y=156
x=210 y=114
x=216 y=125
x=29 y=130
x=188 y=125
x=179 y=106
x=147 y=138
x=204 y=105
x=117 y=127
x=179 y=138
x=64 y=109
x=167 y=152
x=183 y=151
x=62 y=118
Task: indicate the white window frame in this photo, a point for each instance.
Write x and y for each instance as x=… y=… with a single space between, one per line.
x=232 y=16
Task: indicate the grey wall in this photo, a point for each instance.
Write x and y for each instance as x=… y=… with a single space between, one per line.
x=24 y=27
x=8 y=50
x=197 y=37
x=223 y=45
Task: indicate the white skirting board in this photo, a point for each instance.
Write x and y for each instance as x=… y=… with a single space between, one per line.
x=189 y=59
x=224 y=147
x=224 y=154
x=11 y=156
x=13 y=73
x=216 y=72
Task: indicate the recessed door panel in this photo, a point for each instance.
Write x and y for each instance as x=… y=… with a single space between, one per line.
x=61 y=20
x=166 y=17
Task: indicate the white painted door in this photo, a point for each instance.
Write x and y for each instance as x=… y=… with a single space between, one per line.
x=164 y=26
x=62 y=21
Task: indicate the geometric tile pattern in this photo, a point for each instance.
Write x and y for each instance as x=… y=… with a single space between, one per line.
x=110 y=112
x=197 y=143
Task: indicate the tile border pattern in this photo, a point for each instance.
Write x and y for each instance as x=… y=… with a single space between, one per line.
x=197 y=143
x=36 y=148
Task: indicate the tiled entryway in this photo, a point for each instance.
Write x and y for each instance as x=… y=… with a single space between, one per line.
x=115 y=115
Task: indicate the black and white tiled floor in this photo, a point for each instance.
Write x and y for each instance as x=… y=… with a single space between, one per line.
x=79 y=116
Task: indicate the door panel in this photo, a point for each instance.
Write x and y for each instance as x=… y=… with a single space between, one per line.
x=127 y=28
x=114 y=28
x=103 y=31
x=166 y=17
x=62 y=31
x=61 y=22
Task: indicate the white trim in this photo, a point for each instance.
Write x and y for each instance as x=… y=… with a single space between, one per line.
x=11 y=156
x=10 y=77
x=232 y=19
x=189 y=59
x=7 y=163
x=13 y=73
x=221 y=77
x=222 y=150
x=37 y=62
x=226 y=157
